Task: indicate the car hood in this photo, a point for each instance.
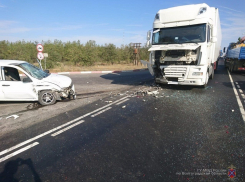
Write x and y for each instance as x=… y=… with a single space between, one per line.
x=60 y=80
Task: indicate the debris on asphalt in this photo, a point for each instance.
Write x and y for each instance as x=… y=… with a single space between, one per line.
x=152 y=92
x=0 y=118
x=208 y=87
x=140 y=93
x=108 y=101
x=232 y=110
x=14 y=116
x=123 y=107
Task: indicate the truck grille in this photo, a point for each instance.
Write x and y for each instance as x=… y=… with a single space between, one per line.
x=175 y=72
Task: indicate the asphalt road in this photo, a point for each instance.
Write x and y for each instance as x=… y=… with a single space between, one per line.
x=180 y=134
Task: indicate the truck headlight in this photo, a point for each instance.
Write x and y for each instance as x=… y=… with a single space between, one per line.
x=197 y=73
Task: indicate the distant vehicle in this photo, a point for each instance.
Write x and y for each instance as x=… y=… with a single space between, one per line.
x=235 y=57
x=185 y=45
x=21 y=81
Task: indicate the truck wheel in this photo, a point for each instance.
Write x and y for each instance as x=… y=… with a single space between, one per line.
x=231 y=68
x=217 y=64
x=46 y=97
x=206 y=81
x=212 y=75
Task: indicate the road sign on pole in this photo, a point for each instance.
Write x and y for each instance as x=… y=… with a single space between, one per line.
x=40 y=55
x=39 y=47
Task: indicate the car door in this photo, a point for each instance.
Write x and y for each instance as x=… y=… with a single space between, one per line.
x=17 y=89
x=1 y=81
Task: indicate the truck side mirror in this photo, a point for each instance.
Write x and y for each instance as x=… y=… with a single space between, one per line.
x=148 y=43
x=224 y=50
x=148 y=36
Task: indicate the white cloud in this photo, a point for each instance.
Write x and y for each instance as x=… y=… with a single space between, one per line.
x=11 y=27
x=134 y=25
x=233 y=25
x=231 y=9
x=100 y=40
x=6 y=23
x=15 y=30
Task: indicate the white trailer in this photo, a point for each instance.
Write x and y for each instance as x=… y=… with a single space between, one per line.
x=185 y=45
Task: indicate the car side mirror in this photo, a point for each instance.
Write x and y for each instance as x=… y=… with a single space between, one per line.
x=27 y=80
x=46 y=71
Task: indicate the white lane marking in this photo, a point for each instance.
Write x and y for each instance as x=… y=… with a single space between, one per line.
x=238 y=86
x=237 y=98
x=98 y=113
x=236 y=82
x=122 y=102
x=18 y=151
x=55 y=129
x=63 y=73
x=67 y=128
x=107 y=71
x=243 y=96
x=240 y=90
x=14 y=116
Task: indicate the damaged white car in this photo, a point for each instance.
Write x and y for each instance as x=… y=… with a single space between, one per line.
x=22 y=81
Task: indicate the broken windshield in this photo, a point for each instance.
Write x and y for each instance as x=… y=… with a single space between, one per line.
x=179 y=35
x=34 y=71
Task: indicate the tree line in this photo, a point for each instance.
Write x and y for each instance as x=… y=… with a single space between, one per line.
x=71 y=53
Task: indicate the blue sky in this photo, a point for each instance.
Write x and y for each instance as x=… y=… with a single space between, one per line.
x=105 y=21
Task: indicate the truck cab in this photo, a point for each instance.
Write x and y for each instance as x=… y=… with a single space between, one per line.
x=185 y=45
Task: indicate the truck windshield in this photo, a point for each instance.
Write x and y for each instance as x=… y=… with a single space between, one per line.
x=179 y=35
x=34 y=71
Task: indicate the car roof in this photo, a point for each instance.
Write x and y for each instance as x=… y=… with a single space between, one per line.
x=4 y=62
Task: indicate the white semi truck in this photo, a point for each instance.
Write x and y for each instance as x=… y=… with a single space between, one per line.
x=185 y=45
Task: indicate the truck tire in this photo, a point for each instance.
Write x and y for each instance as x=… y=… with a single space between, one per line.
x=217 y=64
x=212 y=75
x=231 y=68
x=46 y=97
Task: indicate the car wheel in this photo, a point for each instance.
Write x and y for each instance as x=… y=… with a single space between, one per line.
x=72 y=97
x=46 y=98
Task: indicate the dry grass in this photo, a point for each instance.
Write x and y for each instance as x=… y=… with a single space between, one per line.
x=114 y=67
